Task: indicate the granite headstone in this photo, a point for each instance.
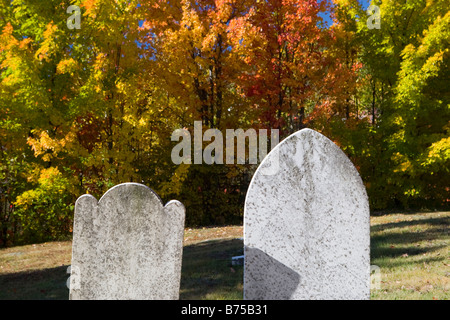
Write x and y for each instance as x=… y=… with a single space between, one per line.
x=127 y=245
x=306 y=226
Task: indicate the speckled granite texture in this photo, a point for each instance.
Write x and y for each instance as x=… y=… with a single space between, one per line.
x=127 y=245
x=307 y=227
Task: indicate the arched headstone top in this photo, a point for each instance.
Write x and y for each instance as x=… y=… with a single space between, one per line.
x=118 y=188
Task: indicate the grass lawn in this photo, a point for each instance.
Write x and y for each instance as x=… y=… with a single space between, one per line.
x=412 y=251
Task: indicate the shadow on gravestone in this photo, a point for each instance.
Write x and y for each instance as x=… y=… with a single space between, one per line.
x=310 y=216
x=270 y=273
x=127 y=245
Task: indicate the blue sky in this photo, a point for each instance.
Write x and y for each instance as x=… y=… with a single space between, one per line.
x=326 y=17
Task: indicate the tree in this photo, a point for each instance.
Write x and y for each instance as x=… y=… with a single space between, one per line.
x=407 y=120
x=282 y=44
x=422 y=115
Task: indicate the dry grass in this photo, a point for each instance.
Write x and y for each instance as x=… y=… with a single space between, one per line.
x=412 y=251
x=35 y=257
x=39 y=271
x=192 y=236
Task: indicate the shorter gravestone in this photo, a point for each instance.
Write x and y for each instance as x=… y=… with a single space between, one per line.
x=127 y=245
x=306 y=225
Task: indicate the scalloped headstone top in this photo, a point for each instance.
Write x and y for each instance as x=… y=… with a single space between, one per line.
x=127 y=245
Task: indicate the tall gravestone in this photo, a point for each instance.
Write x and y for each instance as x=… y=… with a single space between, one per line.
x=306 y=224
x=127 y=245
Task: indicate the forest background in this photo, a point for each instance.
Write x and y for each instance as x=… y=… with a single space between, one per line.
x=82 y=110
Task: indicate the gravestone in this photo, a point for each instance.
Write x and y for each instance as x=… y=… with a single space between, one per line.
x=127 y=245
x=306 y=224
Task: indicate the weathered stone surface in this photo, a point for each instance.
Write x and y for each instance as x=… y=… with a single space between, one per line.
x=306 y=227
x=127 y=245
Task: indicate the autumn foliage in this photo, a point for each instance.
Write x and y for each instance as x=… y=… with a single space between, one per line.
x=84 y=109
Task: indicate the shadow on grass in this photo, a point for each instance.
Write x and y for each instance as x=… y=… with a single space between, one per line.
x=206 y=273
x=440 y=222
x=410 y=240
x=46 y=284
